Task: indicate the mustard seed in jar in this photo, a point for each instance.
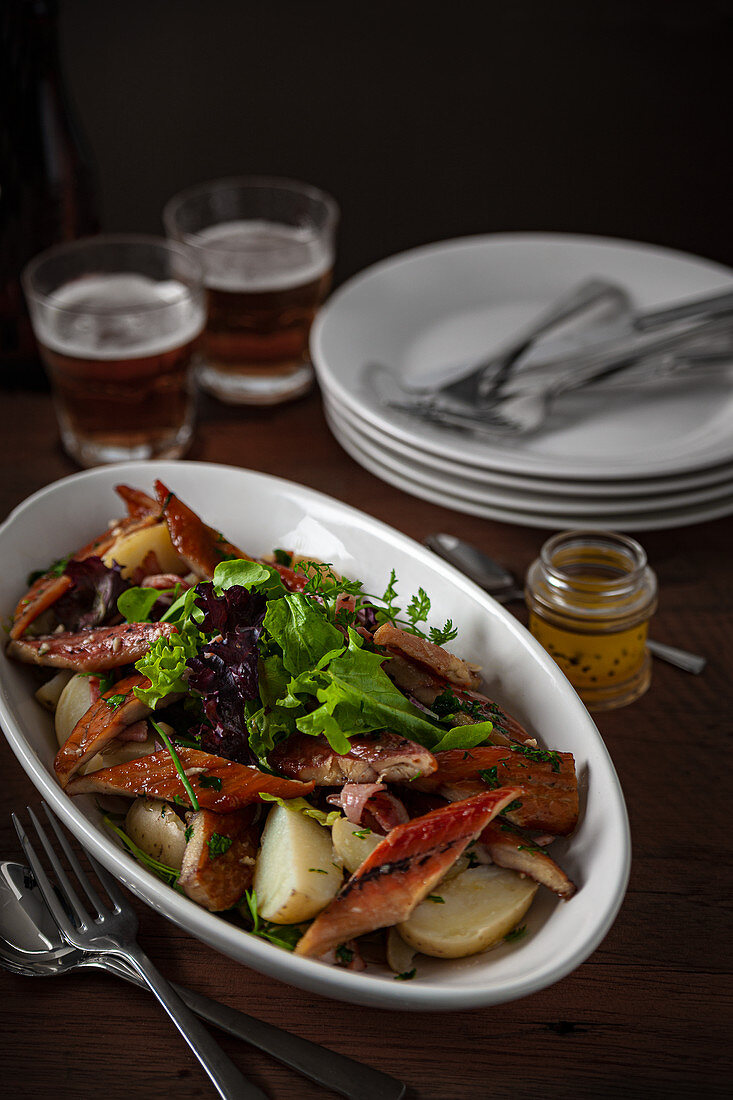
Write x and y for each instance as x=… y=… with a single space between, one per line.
x=590 y=596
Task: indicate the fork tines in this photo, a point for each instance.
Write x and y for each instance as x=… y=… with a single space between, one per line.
x=64 y=886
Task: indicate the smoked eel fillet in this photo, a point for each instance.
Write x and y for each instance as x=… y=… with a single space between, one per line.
x=97 y=649
x=218 y=784
x=509 y=848
x=201 y=547
x=401 y=871
x=381 y=757
x=549 y=787
x=105 y=720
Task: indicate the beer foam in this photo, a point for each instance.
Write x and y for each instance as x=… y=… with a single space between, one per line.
x=87 y=317
x=260 y=256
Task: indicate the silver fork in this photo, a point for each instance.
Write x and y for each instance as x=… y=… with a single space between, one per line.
x=527 y=400
x=593 y=301
x=113 y=932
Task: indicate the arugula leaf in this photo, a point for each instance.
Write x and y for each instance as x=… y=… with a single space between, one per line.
x=135 y=604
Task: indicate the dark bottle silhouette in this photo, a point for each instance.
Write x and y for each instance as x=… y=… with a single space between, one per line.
x=47 y=185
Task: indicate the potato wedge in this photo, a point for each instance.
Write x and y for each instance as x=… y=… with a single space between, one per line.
x=353 y=843
x=48 y=694
x=477 y=910
x=157 y=830
x=295 y=875
x=130 y=550
x=74 y=701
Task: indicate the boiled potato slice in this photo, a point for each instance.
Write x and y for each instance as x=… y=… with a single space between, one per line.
x=74 y=701
x=158 y=830
x=129 y=551
x=295 y=876
x=353 y=843
x=479 y=907
x=48 y=694
x=399 y=953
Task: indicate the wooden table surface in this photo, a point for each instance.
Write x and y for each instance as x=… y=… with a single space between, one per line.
x=648 y=1014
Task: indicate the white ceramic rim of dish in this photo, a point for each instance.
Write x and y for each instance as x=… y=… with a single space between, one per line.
x=428 y=995
x=654 y=519
x=526 y=499
x=511 y=457
x=490 y=479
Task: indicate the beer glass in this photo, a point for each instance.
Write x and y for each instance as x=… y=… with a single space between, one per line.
x=117 y=318
x=267 y=247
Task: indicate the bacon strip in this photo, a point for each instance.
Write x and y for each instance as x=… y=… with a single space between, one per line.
x=96 y=650
x=372 y=758
x=401 y=871
x=227 y=786
x=549 y=788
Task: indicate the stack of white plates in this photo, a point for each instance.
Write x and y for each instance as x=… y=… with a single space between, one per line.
x=636 y=460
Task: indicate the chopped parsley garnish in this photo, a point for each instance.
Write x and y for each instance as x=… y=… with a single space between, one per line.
x=344 y=954
x=540 y=756
x=162 y=870
x=406 y=975
x=188 y=832
x=515 y=805
x=436 y=898
x=361 y=833
x=212 y=781
x=115 y=701
x=516 y=934
x=282 y=557
x=218 y=845
x=54 y=570
x=318 y=871
x=489 y=777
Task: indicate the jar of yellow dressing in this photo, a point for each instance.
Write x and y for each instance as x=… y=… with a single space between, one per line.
x=590 y=596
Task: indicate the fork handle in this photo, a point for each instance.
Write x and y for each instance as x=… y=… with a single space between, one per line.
x=224 y=1075
x=354 y=1080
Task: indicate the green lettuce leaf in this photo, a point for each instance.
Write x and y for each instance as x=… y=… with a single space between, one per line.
x=304 y=635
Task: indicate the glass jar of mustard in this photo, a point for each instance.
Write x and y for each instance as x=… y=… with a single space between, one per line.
x=590 y=596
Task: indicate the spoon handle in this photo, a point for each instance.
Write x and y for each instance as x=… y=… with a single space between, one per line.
x=343 y=1075
x=680 y=658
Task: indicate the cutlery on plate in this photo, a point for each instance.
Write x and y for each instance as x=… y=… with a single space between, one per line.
x=526 y=399
x=591 y=302
x=112 y=931
x=615 y=332
x=31 y=944
x=502 y=585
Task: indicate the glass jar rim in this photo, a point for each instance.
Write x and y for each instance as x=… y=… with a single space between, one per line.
x=560 y=579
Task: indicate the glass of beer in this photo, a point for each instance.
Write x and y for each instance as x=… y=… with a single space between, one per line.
x=267 y=247
x=117 y=319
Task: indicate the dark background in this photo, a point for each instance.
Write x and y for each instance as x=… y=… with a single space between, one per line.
x=425 y=121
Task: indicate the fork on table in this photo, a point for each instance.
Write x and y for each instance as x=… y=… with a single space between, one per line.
x=112 y=931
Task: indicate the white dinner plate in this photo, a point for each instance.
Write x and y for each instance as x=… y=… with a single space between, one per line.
x=425 y=312
x=260 y=512
x=592 y=506
x=567 y=488
x=652 y=519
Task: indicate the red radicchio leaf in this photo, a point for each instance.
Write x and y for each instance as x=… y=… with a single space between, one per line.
x=225 y=673
x=92 y=598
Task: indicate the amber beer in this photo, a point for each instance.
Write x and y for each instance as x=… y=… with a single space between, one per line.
x=118 y=350
x=264 y=284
